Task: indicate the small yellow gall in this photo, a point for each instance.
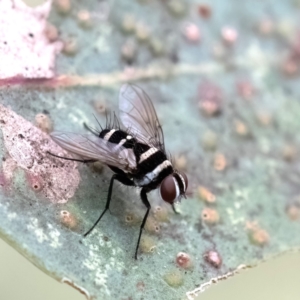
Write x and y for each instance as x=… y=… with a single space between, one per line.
x=206 y=195
x=210 y=216
x=241 y=128
x=174 y=278
x=67 y=219
x=220 y=162
x=70 y=46
x=210 y=141
x=177 y=7
x=161 y=214
x=142 y=32
x=180 y=162
x=131 y=218
x=129 y=51
x=84 y=18
x=157 y=46
x=152 y=226
x=257 y=236
x=100 y=106
x=44 y=123
x=293 y=212
x=128 y=24
x=147 y=244
x=289 y=152
x=264 y=119
x=63 y=6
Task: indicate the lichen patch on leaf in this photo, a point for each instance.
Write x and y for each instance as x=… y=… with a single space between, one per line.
x=24 y=47
x=50 y=235
x=99 y=268
x=27 y=146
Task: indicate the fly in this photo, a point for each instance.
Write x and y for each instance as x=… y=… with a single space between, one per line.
x=133 y=149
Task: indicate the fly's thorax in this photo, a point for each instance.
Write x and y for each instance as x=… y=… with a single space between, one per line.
x=173 y=187
x=121 y=144
x=118 y=137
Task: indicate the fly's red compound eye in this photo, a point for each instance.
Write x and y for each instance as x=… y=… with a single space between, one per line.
x=169 y=189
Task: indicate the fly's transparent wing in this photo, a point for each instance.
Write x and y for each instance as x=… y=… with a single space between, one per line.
x=93 y=147
x=137 y=113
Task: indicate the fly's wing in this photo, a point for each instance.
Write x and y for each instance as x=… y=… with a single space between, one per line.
x=93 y=147
x=138 y=115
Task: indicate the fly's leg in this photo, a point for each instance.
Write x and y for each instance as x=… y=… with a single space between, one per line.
x=147 y=204
x=174 y=209
x=85 y=161
x=120 y=178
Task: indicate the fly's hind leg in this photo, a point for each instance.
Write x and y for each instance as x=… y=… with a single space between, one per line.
x=85 y=161
x=147 y=204
x=121 y=178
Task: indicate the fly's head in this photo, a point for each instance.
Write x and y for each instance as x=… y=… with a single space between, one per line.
x=173 y=187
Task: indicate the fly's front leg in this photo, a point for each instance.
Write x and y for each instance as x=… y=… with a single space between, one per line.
x=147 y=204
x=174 y=209
x=120 y=178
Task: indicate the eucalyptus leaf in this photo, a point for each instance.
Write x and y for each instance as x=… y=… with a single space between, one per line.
x=223 y=79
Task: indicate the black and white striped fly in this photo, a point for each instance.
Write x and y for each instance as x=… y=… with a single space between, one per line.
x=133 y=148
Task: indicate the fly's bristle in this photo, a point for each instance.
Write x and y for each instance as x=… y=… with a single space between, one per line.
x=98 y=122
x=112 y=121
x=116 y=123
x=91 y=129
x=107 y=122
